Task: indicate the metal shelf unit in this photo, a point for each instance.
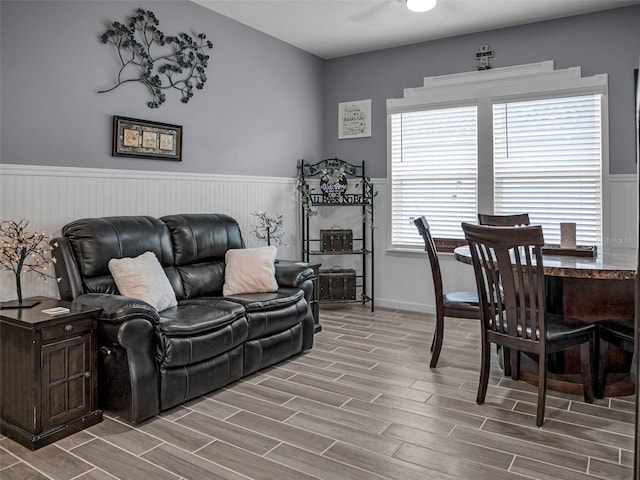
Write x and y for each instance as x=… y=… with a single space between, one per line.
x=361 y=200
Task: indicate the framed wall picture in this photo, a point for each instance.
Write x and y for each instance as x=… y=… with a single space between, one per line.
x=354 y=119
x=133 y=137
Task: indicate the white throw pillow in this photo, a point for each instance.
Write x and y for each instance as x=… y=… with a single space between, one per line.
x=250 y=270
x=143 y=278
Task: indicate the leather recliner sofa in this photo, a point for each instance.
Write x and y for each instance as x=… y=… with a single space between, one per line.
x=150 y=361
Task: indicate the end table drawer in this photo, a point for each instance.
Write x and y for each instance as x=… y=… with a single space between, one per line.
x=67 y=328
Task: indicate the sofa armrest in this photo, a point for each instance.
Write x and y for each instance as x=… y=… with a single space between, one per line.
x=129 y=377
x=118 y=308
x=292 y=275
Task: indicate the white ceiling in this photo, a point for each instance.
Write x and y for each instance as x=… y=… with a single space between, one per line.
x=335 y=28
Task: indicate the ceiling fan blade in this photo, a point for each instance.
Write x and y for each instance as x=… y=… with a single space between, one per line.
x=372 y=11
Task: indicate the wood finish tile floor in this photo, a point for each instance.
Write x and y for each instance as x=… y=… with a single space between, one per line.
x=362 y=405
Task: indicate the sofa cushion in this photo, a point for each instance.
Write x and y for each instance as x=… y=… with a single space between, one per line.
x=202 y=279
x=269 y=313
x=142 y=277
x=95 y=241
x=199 y=315
x=198 y=330
x=250 y=270
x=262 y=302
x=199 y=243
x=202 y=237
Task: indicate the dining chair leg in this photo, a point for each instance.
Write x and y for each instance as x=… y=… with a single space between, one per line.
x=542 y=389
x=485 y=366
x=515 y=364
x=436 y=345
x=506 y=361
x=502 y=361
x=587 y=363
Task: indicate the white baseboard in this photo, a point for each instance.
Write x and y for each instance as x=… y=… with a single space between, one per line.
x=409 y=306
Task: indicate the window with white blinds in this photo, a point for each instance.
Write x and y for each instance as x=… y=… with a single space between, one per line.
x=548 y=162
x=434 y=157
x=434 y=167
x=503 y=146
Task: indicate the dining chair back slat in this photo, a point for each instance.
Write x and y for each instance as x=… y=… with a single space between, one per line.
x=516 y=220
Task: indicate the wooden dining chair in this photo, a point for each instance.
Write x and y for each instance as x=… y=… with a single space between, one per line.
x=517 y=220
x=618 y=332
x=507 y=263
x=458 y=304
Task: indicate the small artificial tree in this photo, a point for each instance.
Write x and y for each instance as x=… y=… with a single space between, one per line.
x=23 y=250
x=269 y=228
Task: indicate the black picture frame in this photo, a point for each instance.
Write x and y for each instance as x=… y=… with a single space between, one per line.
x=133 y=137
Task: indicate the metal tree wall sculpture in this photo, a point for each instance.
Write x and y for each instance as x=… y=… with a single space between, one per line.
x=180 y=60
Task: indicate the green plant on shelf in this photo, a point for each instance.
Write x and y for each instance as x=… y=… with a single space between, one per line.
x=369 y=195
x=334 y=174
x=335 y=171
x=305 y=196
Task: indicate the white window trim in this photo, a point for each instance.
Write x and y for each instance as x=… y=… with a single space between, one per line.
x=485 y=87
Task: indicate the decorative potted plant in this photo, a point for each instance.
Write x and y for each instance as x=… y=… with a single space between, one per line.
x=23 y=250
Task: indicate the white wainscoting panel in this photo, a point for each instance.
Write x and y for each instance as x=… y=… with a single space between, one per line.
x=403 y=279
x=50 y=197
x=623 y=201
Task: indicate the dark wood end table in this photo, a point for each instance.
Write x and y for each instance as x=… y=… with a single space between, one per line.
x=48 y=372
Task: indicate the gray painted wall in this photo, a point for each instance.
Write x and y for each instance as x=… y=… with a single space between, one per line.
x=266 y=103
x=260 y=110
x=605 y=42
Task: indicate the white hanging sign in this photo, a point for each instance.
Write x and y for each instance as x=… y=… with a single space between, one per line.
x=354 y=119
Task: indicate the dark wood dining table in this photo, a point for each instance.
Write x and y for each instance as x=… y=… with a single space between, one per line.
x=589 y=288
